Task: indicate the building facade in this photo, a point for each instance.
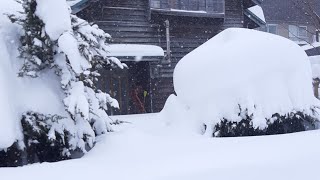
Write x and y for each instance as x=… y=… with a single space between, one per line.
x=176 y=26
x=291 y=20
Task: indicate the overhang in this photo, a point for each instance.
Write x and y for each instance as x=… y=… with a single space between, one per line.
x=186 y=13
x=78 y=5
x=135 y=52
x=250 y=3
x=255 y=14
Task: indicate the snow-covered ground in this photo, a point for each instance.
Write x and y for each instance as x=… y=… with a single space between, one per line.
x=146 y=148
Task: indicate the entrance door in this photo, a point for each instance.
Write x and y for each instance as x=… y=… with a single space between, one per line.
x=130 y=87
x=117 y=85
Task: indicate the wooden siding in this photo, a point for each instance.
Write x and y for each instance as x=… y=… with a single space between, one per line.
x=130 y=21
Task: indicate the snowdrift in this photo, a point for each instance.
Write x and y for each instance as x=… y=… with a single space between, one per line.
x=6 y=110
x=242 y=70
x=144 y=150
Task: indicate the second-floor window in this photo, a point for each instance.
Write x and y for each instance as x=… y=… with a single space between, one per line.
x=272 y=28
x=303 y=31
x=209 y=6
x=155 y=4
x=298 y=33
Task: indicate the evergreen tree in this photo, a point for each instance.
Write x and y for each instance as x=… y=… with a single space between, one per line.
x=76 y=56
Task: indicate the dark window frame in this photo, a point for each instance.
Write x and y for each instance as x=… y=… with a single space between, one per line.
x=201 y=6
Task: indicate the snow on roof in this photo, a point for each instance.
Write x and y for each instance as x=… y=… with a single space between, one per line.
x=311 y=46
x=135 y=50
x=258 y=11
x=188 y=11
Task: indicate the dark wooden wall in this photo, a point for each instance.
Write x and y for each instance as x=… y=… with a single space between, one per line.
x=127 y=21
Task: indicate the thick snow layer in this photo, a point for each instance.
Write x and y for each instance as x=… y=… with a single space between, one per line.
x=18 y=95
x=7 y=128
x=144 y=149
x=258 y=11
x=261 y=72
x=8 y=6
x=77 y=102
x=315 y=65
x=188 y=11
x=69 y=45
x=56 y=16
x=135 y=50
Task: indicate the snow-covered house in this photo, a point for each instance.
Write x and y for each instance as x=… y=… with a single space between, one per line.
x=155 y=35
x=297 y=20
x=292 y=19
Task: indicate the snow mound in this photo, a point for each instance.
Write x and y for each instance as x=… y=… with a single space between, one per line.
x=6 y=110
x=243 y=69
x=18 y=95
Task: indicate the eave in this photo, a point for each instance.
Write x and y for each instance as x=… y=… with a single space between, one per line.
x=186 y=13
x=78 y=5
x=250 y=3
x=255 y=20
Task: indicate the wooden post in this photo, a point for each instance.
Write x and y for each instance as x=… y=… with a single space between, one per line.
x=168 y=55
x=316 y=83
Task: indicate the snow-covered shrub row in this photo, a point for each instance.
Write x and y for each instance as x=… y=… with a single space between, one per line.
x=244 y=82
x=53 y=40
x=277 y=124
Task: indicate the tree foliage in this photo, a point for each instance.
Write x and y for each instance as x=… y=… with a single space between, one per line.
x=76 y=57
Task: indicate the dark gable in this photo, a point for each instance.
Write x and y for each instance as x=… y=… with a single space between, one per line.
x=284 y=11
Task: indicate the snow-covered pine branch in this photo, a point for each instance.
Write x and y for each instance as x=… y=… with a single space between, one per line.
x=76 y=50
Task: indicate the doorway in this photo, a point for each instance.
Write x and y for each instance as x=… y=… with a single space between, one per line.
x=131 y=88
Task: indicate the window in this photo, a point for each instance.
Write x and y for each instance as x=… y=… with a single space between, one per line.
x=298 y=33
x=303 y=31
x=155 y=3
x=273 y=28
x=293 y=32
x=210 y=6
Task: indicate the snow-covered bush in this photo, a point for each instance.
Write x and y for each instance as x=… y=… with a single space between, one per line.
x=47 y=137
x=53 y=40
x=245 y=82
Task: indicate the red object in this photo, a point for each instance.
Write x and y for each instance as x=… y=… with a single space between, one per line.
x=137 y=101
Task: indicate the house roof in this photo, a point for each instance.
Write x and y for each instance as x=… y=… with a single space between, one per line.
x=313 y=51
x=255 y=14
x=250 y=3
x=78 y=5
